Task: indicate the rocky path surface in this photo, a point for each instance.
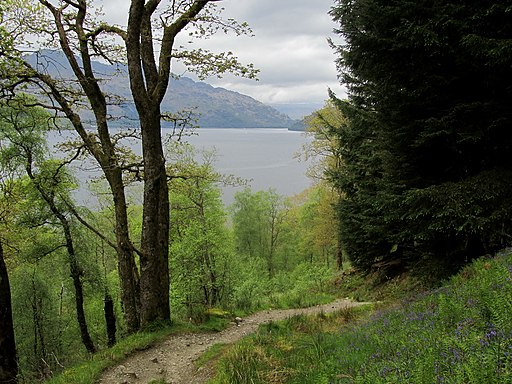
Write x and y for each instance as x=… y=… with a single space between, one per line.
x=172 y=360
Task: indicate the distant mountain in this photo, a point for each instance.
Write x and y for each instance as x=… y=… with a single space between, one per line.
x=214 y=107
x=299 y=125
x=297 y=111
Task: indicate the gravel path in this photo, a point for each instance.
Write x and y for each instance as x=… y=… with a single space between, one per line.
x=172 y=360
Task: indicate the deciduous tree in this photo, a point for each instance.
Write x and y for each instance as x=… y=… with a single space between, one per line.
x=22 y=134
x=327 y=148
x=148 y=46
x=258 y=220
x=8 y=362
x=201 y=247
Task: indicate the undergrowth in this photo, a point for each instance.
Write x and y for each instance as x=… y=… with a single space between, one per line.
x=306 y=286
x=279 y=350
x=90 y=370
x=460 y=333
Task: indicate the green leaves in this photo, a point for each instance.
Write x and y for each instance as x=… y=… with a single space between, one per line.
x=201 y=249
x=205 y=63
x=22 y=129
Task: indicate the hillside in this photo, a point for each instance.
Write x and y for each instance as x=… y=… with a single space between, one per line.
x=458 y=333
x=214 y=107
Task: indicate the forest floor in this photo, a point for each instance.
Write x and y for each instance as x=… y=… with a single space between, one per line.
x=173 y=360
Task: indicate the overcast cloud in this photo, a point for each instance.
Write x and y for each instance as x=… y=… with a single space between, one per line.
x=289 y=47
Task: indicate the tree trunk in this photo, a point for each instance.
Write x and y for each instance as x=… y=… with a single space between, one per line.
x=76 y=275
x=39 y=346
x=104 y=153
x=75 y=270
x=127 y=269
x=149 y=80
x=154 y=259
x=106 y=157
x=8 y=361
x=339 y=243
x=110 y=319
x=80 y=313
x=339 y=256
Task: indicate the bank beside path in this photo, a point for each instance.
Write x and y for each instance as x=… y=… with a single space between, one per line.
x=172 y=360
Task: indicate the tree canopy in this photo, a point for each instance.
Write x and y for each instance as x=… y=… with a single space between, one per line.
x=148 y=46
x=427 y=166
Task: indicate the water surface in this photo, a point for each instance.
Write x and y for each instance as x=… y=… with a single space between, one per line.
x=265 y=157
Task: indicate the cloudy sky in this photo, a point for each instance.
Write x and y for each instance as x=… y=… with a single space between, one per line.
x=289 y=47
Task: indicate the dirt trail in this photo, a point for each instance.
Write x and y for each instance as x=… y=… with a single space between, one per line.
x=173 y=359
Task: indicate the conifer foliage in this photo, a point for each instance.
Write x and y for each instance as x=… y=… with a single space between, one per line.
x=427 y=165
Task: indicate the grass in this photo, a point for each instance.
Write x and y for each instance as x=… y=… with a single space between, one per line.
x=307 y=285
x=328 y=349
x=90 y=370
x=309 y=292
x=210 y=357
x=459 y=333
x=277 y=352
x=391 y=286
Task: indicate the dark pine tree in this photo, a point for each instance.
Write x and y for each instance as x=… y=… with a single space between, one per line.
x=436 y=77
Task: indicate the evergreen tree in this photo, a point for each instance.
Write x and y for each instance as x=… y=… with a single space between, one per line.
x=430 y=91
